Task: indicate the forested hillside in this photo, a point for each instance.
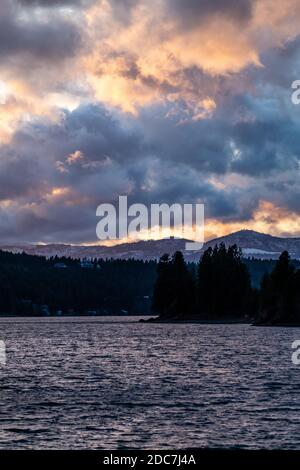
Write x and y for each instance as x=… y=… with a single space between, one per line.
x=34 y=285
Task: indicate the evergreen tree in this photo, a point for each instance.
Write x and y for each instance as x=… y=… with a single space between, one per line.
x=174 y=287
x=162 y=293
x=224 y=286
x=280 y=292
x=182 y=286
x=205 y=282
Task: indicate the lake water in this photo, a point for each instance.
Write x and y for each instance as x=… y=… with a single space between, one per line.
x=112 y=383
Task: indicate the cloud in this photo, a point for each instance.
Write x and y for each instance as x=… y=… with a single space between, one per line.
x=122 y=9
x=167 y=49
x=54 y=175
x=54 y=3
x=165 y=101
x=38 y=54
x=53 y=38
x=193 y=13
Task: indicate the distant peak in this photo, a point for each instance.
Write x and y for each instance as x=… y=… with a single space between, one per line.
x=248 y=232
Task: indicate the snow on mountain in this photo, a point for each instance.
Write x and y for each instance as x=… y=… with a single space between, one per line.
x=260 y=245
x=253 y=244
x=257 y=251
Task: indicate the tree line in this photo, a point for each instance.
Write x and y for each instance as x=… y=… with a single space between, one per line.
x=222 y=285
x=220 y=288
x=34 y=285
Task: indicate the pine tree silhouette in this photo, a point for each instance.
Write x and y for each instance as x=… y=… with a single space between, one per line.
x=280 y=302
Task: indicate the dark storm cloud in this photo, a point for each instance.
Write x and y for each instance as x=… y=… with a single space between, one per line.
x=193 y=12
x=23 y=168
x=54 y=174
x=54 y=3
x=154 y=159
x=189 y=13
x=251 y=136
x=96 y=133
x=96 y=159
x=281 y=66
x=36 y=159
x=39 y=158
x=53 y=40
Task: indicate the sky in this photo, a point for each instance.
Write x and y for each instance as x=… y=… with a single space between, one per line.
x=164 y=101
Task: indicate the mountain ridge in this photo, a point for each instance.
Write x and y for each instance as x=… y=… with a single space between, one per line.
x=254 y=244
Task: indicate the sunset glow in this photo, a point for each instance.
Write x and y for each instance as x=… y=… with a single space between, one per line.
x=163 y=101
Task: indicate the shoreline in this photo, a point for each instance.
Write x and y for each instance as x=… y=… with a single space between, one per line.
x=191 y=320
x=218 y=322
x=275 y=325
x=158 y=320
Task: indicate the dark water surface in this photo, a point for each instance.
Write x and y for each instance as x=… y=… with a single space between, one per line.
x=111 y=384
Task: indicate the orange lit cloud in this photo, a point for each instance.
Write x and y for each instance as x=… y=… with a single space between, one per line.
x=164 y=99
x=267 y=218
x=146 y=59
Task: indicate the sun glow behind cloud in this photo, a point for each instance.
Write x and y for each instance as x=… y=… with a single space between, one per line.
x=163 y=100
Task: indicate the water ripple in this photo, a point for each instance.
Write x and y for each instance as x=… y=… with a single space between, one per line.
x=77 y=384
